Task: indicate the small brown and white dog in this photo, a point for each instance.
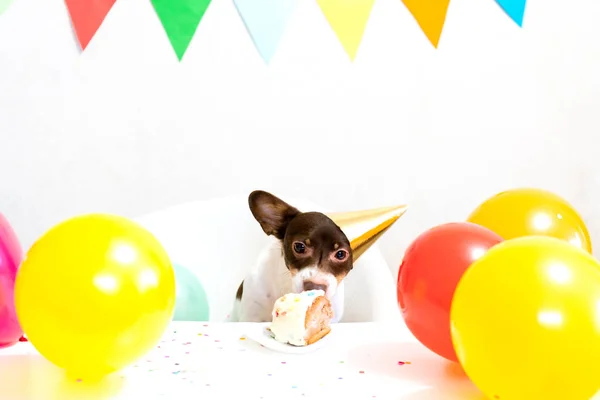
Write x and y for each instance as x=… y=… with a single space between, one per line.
x=309 y=251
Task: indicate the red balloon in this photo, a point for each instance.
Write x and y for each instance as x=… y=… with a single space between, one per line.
x=432 y=266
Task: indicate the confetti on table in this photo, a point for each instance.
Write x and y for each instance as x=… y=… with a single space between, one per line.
x=188 y=358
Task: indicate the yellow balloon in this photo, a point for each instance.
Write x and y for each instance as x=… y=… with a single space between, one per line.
x=94 y=294
x=526 y=212
x=525 y=321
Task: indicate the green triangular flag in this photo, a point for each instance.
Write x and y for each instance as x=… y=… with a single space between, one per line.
x=4 y=5
x=180 y=18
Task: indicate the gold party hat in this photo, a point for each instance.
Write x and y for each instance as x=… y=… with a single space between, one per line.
x=363 y=228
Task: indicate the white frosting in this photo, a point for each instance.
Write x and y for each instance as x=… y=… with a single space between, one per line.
x=289 y=316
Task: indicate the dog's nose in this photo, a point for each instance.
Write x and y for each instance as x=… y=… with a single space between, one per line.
x=308 y=285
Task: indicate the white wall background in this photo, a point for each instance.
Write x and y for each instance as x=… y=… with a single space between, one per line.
x=125 y=128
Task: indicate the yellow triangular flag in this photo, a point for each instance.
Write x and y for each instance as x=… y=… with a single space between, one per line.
x=348 y=19
x=430 y=15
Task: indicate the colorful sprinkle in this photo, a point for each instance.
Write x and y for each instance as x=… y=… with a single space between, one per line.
x=242 y=338
x=403 y=362
x=361 y=372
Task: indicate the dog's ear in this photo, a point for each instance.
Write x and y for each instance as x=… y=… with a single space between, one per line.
x=272 y=213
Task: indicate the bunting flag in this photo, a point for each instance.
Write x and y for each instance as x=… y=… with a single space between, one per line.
x=430 y=15
x=87 y=16
x=4 y=5
x=266 y=22
x=348 y=19
x=514 y=8
x=180 y=19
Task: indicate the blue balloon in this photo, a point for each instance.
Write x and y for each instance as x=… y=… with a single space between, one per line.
x=191 y=302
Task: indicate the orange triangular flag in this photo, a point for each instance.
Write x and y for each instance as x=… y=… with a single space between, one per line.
x=430 y=15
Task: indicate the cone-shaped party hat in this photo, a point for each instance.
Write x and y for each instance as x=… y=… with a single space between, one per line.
x=363 y=228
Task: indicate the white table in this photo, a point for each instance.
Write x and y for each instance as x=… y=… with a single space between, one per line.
x=215 y=360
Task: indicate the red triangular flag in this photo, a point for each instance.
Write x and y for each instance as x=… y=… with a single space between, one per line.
x=87 y=16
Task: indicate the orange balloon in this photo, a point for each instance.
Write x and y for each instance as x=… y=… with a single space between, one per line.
x=532 y=212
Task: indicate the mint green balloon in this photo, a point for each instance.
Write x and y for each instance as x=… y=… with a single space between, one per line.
x=191 y=303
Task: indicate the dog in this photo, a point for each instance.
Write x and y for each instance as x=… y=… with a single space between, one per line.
x=308 y=251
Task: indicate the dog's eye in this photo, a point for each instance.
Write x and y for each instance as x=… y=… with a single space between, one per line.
x=299 y=247
x=341 y=254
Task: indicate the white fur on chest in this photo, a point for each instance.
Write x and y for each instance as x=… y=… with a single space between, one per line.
x=269 y=280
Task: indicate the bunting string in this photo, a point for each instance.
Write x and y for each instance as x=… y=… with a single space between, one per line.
x=266 y=20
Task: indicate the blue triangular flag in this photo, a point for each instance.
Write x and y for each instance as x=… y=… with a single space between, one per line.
x=266 y=21
x=514 y=8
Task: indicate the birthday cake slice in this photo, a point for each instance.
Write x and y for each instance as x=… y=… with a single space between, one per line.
x=301 y=319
